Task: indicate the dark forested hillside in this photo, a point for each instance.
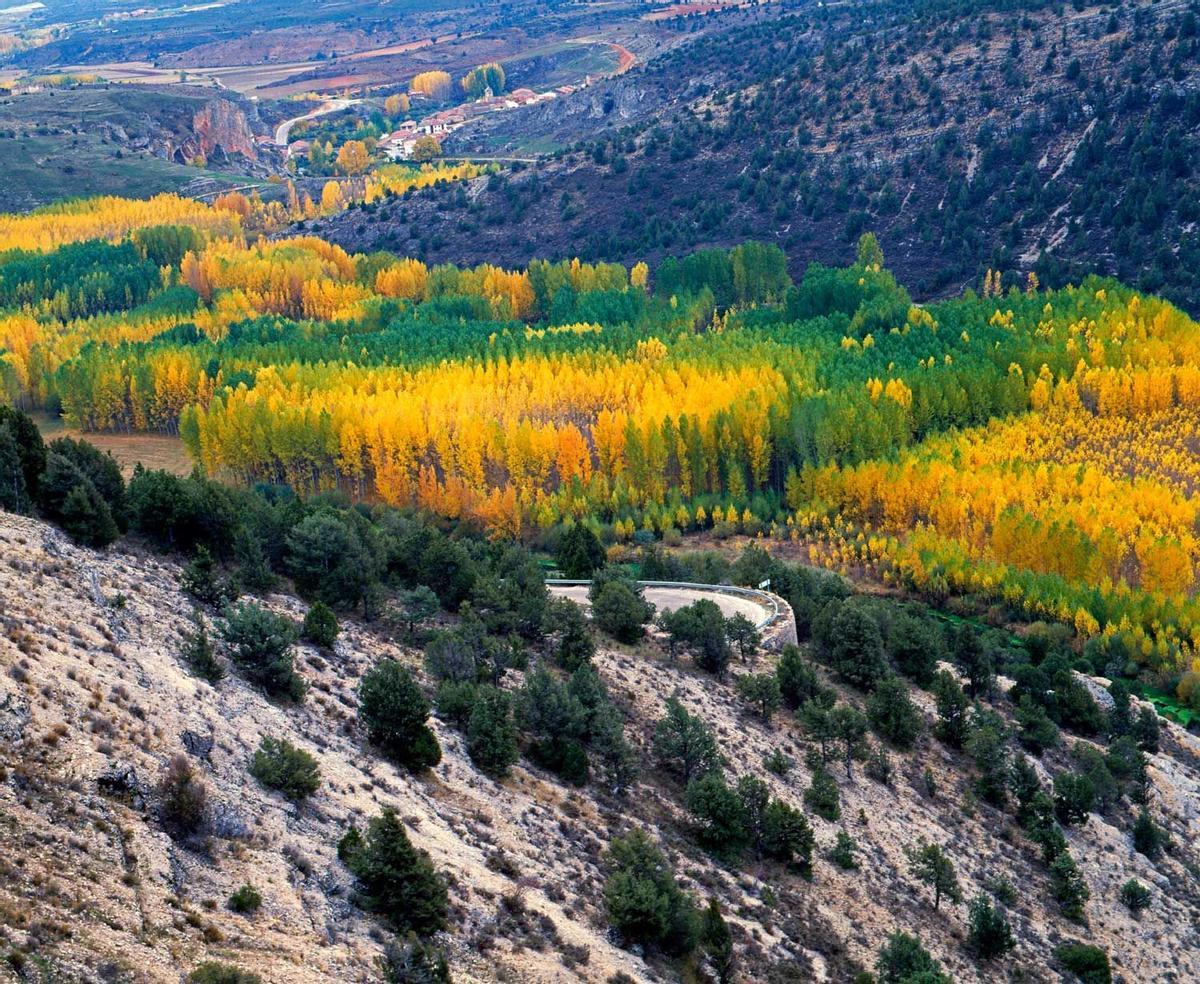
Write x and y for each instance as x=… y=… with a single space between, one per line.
x=969 y=134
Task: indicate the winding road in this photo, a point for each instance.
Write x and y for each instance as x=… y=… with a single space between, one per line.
x=667 y=598
x=331 y=106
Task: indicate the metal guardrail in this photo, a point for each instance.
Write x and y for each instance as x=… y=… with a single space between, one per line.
x=767 y=601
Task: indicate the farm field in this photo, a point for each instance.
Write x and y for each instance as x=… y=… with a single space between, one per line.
x=156 y=451
x=263 y=80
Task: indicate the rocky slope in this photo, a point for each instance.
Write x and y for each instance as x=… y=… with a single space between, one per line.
x=131 y=140
x=94 y=702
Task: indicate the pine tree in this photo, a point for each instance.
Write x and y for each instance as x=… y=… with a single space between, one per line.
x=816 y=719
x=720 y=817
x=201 y=579
x=683 y=743
x=395 y=880
x=491 y=734
x=1074 y=798
x=254 y=572
x=892 y=713
x=1087 y=963
x=798 y=680
x=1135 y=896
x=743 y=635
x=14 y=493
x=1146 y=730
x=952 y=707
x=903 y=960
x=619 y=760
x=417 y=606
x=973 y=659
x=717 y=942
x=571 y=638
x=852 y=645
x=823 y=796
x=199 y=653
x=761 y=691
x=619 y=610
x=1148 y=837
x=320 y=625
x=644 y=902
x=989 y=934
x=280 y=765
x=844 y=852
x=933 y=867
x=987 y=748
x=84 y=516
x=1068 y=886
x=1024 y=784
x=849 y=726
x=260 y=645
x=879 y=765
x=30 y=450
x=787 y=836
x=580 y=554
x=395 y=712
x=915 y=648
x=1037 y=732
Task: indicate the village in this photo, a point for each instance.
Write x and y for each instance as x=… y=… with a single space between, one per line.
x=421 y=139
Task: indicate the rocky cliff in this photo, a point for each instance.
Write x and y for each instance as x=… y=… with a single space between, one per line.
x=221 y=128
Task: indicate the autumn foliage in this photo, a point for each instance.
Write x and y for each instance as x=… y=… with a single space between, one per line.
x=435 y=85
x=1033 y=447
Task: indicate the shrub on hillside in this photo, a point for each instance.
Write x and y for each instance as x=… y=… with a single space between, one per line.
x=893 y=715
x=212 y=972
x=844 y=852
x=182 y=798
x=201 y=579
x=903 y=960
x=280 y=765
x=414 y=961
x=1088 y=963
x=570 y=637
x=260 y=645
x=491 y=733
x=684 y=744
x=823 y=796
x=245 y=900
x=199 y=653
x=988 y=932
x=1135 y=896
x=320 y=625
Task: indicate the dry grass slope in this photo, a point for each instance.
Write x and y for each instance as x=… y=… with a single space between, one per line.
x=93 y=703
